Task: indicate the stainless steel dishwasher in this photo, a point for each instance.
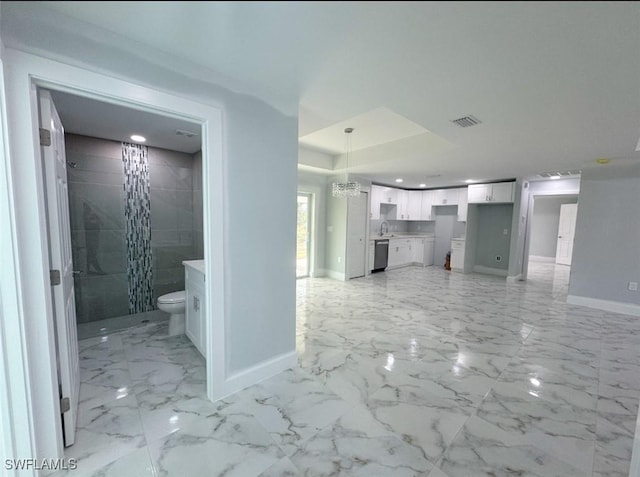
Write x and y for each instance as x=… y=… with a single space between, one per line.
x=381 y=255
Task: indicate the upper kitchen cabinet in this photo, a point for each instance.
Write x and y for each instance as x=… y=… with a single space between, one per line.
x=388 y=195
x=462 y=204
x=409 y=205
x=426 y=212
x=414 y=205
x=445 y=197
x=498 y=193
x=402 y=212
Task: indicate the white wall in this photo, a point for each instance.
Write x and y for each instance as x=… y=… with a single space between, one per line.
x=544 y=225
x=262 y=147
x=606 y=251
x=316 y=185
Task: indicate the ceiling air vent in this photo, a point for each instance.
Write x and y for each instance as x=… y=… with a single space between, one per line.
x=466 y=121
x=180 y=132
x=546 y=175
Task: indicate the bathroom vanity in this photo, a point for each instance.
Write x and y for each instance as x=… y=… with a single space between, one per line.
x=195 y=303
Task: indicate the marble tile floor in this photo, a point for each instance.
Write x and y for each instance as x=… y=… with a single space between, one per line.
x=411 y=372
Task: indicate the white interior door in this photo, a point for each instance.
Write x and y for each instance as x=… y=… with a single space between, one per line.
x=61 y=264
x=356 y=236
x=566 y=231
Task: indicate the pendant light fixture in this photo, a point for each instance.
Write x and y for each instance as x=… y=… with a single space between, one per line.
x=347 y=188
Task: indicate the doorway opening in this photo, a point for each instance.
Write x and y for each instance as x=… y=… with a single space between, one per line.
x=96 y=224
x=303 y=237
x=552 y=228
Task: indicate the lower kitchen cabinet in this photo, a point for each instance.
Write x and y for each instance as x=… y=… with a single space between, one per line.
x=195 y=307
x=457 y=254
x=410 y=251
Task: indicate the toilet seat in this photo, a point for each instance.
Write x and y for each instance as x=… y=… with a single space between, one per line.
x=172 y=298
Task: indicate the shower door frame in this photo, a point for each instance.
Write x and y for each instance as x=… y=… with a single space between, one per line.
x=24 y=74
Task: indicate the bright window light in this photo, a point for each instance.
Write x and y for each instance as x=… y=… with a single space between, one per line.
x=138 y=138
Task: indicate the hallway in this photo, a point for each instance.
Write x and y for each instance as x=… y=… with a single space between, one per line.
x=412 y=372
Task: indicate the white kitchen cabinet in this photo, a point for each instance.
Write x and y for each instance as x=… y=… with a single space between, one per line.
x=445 y=197
x=426 y=205
x=388 y=195
x=394 y=259
x=462 y=204
x=457 y=254
x=402 y=212
x=418 y=251
x=400 y=252
x=501 y=192
x=195 y=308
x=406 y=251
x=414 y=209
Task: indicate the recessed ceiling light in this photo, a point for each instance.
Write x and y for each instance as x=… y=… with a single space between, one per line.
x=554 y=178
x=398 y=180
x=602 y=160
x=470 y=181
x=138 y=138
x=423 y=185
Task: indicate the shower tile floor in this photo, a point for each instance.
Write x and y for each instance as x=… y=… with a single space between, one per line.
x=108 y=326
x=411 y=372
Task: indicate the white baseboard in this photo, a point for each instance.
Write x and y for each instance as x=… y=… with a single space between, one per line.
x=514 y=278
x=540 y=258
x=321 y=272
x=606 y=305
x=336 y=275
x=489 y=271
x=253 y=375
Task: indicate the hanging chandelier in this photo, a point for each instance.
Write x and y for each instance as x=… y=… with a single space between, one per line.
x=347 y=188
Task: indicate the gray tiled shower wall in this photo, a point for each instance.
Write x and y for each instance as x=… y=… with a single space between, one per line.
x=96 y=197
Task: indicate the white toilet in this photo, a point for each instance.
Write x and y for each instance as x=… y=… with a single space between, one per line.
x=174 y=304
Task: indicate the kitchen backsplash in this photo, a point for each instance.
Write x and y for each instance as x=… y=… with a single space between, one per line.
x=403 y=226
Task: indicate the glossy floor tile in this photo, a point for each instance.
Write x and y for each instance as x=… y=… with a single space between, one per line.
x=411 y=372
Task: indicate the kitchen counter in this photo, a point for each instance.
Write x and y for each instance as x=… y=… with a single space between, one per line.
x=197 y=265
x=400 y=236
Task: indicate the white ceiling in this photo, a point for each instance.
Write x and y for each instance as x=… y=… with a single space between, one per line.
x=555 y=84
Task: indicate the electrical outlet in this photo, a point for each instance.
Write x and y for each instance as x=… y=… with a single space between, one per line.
x=498 y=258
x=633 y=286
x=505 y=232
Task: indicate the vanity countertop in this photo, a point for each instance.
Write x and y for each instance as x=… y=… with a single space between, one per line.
x=197 y=265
